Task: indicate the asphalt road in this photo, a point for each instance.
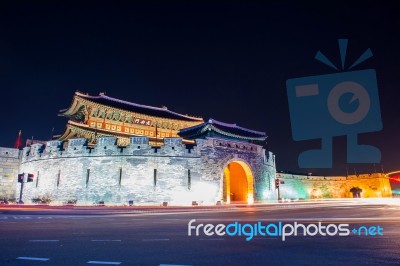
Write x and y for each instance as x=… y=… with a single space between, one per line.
x=104 y=236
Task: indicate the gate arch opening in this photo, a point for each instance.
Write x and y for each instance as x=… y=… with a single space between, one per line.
x=356 y=191
x=238 y=183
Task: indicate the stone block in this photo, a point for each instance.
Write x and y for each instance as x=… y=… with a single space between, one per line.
x=139 y=140
x=173 y=141
x=77 y=143
x=53 y=146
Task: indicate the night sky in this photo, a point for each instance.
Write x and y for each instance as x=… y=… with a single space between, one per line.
x=227 y=61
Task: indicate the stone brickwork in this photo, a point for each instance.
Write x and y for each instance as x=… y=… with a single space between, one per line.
x=9 y=164
x=311 y=187
x=172 y=173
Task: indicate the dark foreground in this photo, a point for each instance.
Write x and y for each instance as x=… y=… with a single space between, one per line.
x=121 y=236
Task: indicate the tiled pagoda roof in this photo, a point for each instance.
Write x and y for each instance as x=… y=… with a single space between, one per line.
x=134 y=107
x=230 y=130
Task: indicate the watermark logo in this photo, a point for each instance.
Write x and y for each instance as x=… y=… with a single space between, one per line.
x=339 y=104
x=280 y=229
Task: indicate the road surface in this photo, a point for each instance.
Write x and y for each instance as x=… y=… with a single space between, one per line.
x=129 y=236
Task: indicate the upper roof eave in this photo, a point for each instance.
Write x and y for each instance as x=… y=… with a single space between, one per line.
x=223 y=128
x=102 y=96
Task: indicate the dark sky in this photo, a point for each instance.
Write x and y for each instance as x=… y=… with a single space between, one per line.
x=228 y=61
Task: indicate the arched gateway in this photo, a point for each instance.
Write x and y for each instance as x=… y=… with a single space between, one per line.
x=238 y=183
x=236 y=143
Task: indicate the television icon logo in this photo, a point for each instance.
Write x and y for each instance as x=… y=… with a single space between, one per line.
x=339 y=104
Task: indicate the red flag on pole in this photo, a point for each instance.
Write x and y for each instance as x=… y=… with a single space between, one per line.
x=18 y=141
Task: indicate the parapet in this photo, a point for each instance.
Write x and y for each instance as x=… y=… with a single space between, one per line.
x=106 y=141
x=173 y=141
x=9 y=152
x=36 y=150
x=329 y=178
x=53 y=146
x=269 y=158
x=75 y=144
x=173 y=147
x=106 y=146
x=139 y=141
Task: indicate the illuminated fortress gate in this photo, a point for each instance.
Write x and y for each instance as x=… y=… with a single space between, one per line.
x=114 y=151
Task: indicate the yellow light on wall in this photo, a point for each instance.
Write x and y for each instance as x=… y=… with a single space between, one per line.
x=250 y=198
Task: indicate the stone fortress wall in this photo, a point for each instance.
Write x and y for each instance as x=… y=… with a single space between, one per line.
x=173 y=173
x=314 y=187
x=9 y=164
